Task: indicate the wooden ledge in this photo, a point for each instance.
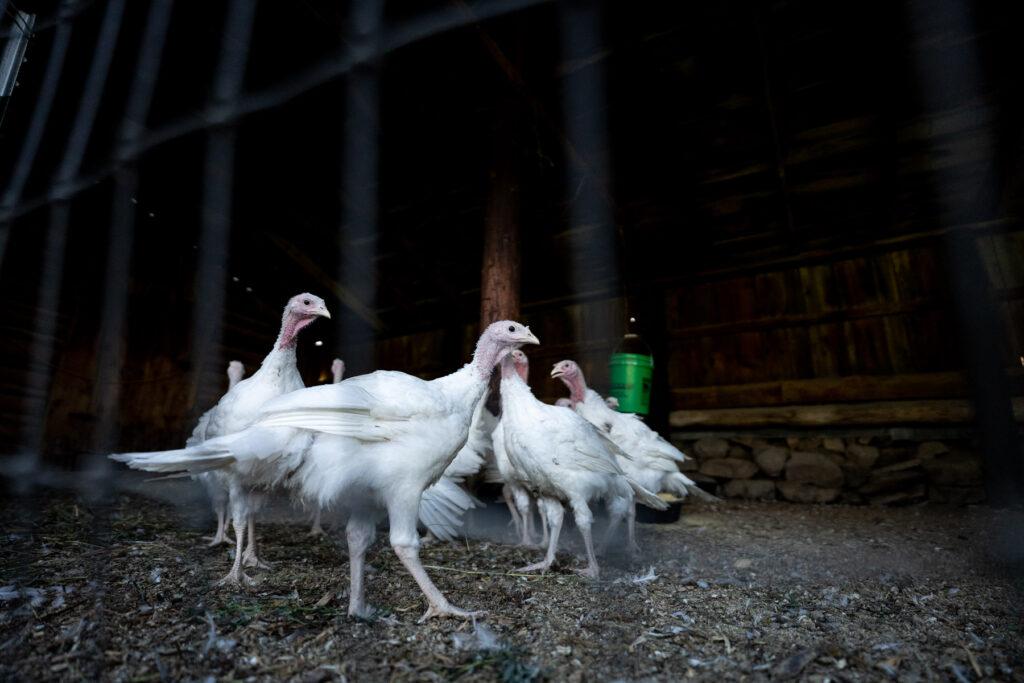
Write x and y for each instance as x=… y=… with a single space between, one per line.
x=953 y=411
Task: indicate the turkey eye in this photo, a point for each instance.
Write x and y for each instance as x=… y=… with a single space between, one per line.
x=511 y=328
x=305 y=302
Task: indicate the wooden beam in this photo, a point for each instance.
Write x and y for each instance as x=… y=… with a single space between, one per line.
x=838 y=315
x=925 y=385
x=875 y=413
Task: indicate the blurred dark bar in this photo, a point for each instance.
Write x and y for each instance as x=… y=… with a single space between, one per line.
x=40 y=115
x=593 y=246
x=326 y=70
x=45 y=330
x=218 y=185
x=111 y=338
x=92 y=96
x=357 y=325
x=951 y=76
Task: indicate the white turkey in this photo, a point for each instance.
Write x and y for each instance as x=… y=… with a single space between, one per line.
x=653 y=461
x=562 y=460
x=369 y=446
x=444 y=503
x=239 y=408
x=212 y=483
x=519 y=501
x=337 y=373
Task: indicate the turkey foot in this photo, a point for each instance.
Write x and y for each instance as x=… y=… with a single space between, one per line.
x=221 y=535
x=541 y=566
x=249 y=559
x=316 y=530
x=217 y=539
x=449 y=610
x=237 y=579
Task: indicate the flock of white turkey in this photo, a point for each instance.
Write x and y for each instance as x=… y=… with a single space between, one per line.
x=390 y=444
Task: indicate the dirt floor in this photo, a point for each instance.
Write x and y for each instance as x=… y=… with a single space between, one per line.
x=732 y=591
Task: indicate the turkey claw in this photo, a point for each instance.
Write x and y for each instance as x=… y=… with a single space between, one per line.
x=253 y=561
x=449 y=611
x=542 y=567
x=589 y=572
x=216 y=540
x=236 y=580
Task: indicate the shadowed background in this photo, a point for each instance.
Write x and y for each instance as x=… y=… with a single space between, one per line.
x=781 y=192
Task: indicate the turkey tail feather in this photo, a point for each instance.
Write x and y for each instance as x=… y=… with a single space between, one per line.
x=682 y=486
x=442 y=507
x=645 y=497
x=189 y=460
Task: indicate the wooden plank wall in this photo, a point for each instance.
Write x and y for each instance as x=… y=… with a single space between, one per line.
x=880 y=314
x=870 y=327
x=873 y=326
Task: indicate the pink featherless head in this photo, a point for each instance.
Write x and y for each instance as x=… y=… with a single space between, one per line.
x=302 y=309
x=569 y=372
x=497 y=341
x=521 y=363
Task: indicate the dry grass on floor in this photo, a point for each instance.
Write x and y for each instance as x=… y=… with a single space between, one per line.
x=753 y=591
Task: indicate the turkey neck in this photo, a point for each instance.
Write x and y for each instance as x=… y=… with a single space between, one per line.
x=577 y=388
x=282 y=356
x=517 y=400
x=466 y=386
x=278 y=360
x=291 y=325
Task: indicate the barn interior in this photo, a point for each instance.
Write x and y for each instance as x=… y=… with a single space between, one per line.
x=809 y=213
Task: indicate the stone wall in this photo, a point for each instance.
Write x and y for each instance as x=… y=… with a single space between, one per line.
x=877 y=470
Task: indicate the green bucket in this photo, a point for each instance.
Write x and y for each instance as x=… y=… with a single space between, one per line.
x=631 y=381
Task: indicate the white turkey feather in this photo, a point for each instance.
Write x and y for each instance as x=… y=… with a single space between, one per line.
x=653 y=461
x=235 y=411
x=559 y=457
x=369 y=445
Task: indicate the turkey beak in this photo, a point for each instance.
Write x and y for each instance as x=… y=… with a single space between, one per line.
x=324 y=312
x=555 y=373
x=530 y=338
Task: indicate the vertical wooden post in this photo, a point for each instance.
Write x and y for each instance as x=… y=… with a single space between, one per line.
x=499 y=277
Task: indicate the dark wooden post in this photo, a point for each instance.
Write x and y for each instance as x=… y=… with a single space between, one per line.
x=499 y=277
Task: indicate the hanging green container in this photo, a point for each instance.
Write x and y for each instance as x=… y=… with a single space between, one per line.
x=631 y=368
x=631 y=381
